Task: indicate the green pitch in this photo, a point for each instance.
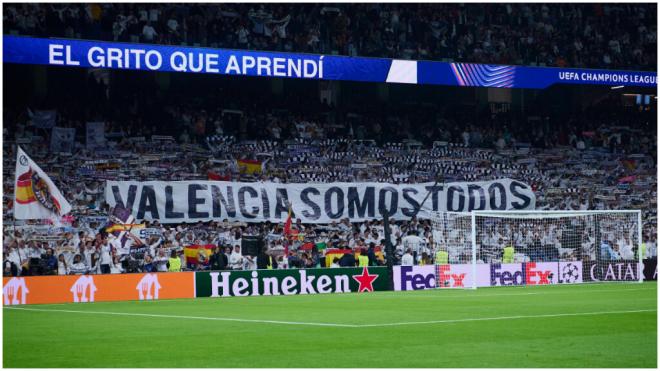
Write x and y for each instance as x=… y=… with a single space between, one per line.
x=601 y=325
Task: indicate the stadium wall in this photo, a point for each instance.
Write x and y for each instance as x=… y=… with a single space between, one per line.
x=184 y=285
x=519 y=274
x=187 y=285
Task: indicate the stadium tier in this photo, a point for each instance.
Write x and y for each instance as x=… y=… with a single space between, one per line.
x=262 y=149
x=452 y=177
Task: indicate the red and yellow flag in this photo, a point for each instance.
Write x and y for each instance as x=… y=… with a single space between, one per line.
x=191 y=252
x=123 y=227
x=24 y=192
x=249 y=166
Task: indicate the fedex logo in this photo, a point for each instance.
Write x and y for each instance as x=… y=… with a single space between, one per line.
x=417 y=281
x=513 y=275
x=429 y=276
x=448 y=279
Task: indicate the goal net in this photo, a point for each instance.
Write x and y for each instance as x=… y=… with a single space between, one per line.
x=506 y=248
x=554 y=247
x=452 y=250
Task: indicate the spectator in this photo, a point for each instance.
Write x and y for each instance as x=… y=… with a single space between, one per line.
x=174 y=263
x=148 y=266
x=218 y=260
x=149 y=33
x=263 y=260
x=425 y=260
x=161 y=261
x=14 y=260
x=372 y=254
x=94 y=264
x=62 y=268
x=242 y=35
x=236 y=259
x=78 y=267
x=607 y=252
x=249 y=262
x=363 y=258
x=9 y=269
x=116 y=266
x=347 y=260
x=51 y=264
x=407 y=258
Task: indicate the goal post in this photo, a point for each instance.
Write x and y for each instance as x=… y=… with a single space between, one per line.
x=502 y=248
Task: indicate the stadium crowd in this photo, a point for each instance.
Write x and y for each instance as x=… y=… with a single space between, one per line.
x=604 y=159
x=577 y=35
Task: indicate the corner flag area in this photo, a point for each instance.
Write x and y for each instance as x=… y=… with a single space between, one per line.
x=599 y=325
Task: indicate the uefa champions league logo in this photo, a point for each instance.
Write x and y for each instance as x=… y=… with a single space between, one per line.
x=570 y=273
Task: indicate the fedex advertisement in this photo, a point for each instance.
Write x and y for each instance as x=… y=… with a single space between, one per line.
x=496 y=274
x=521 y=274
x=439 y=276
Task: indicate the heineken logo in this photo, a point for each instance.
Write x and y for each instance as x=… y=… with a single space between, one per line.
x=366 y=280
x=290 y=282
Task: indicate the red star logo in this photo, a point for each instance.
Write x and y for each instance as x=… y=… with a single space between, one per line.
x=366 y=280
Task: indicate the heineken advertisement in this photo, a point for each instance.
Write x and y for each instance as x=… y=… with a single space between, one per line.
x=290 y=281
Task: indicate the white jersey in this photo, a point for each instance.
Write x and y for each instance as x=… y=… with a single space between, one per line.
x=416 y=243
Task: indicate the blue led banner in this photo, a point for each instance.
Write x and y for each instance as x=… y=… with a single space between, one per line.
x=501 y=76
x=150 y=57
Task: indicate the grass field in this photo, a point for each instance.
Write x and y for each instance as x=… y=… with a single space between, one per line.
x=601 y=325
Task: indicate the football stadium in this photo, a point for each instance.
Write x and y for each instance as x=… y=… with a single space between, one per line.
x=321 y=185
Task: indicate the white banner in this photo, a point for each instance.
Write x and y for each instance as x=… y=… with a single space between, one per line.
x=62 y=139
x=35 y=195
x=191 y=201
x=95 y=135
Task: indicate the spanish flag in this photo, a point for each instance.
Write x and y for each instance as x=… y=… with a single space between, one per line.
x=192 y=252
x=24 y=193
x=249 y=166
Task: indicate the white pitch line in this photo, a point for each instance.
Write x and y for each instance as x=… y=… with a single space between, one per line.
x=508 y=317
x=339 y=324
x=189 y=317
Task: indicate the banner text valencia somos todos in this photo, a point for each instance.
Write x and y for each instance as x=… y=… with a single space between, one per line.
x=192 y=201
